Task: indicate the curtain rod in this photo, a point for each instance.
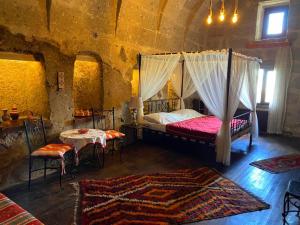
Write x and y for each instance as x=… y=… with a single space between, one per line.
x=235 y=53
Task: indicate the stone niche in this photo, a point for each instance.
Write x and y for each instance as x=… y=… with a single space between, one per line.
x=87 y=83
x=23 y=84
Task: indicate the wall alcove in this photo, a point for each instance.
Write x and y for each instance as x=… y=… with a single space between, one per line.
x=87 y=83
x=23 y=84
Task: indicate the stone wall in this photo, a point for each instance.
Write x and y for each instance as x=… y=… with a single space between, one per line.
x=111 y=31
x=23 y=84
x=219 y=36
x=87 y=84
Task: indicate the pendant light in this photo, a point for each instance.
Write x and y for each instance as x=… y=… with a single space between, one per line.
x=222 y=12
x=235 y=16
x=209 y=19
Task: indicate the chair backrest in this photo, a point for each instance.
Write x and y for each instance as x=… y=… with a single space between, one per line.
x=104 y=119
x=35 y=133
x=83 y=118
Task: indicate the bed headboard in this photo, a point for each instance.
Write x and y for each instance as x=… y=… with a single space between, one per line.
x=161 y=105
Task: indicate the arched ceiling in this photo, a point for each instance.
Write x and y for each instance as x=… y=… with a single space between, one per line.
x=107 y=26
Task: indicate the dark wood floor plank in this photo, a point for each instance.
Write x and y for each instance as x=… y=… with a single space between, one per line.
x=54 y=206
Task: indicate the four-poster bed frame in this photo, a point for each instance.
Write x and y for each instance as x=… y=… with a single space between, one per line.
x=167 y=105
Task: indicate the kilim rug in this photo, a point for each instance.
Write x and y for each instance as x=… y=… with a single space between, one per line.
x=279 y=164
x=13 y=214
x=178 y=197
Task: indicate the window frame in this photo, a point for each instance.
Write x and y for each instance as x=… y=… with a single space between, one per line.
x=260 y=15
x=267 y=12
x=262 y=102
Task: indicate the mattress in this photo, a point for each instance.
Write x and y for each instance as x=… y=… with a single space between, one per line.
x=201 y=128
x=154 y=126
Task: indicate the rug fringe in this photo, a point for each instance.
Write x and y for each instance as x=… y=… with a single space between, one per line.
x=76 y=205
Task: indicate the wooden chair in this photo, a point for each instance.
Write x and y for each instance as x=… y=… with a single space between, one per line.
x=105 y=120
x=40 y=149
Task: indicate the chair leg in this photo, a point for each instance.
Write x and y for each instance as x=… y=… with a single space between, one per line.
x=60 y=176
x=94 y=151
x=29 y=173
x=285 y=207
x=113 y=147
x=250 y=141
x=45 y=168
x=103 y=157
x=121 y=142
x=97 y=155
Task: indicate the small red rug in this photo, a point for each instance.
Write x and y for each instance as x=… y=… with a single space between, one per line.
x=178 y=197
x=279 y=164
x=11 y=213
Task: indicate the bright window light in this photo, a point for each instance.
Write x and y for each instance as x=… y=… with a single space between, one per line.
x=271 y=77
x=275 y=24
x=259 y=85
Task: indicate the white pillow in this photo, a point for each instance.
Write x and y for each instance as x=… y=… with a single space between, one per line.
x=187 y=113
x=163 y=118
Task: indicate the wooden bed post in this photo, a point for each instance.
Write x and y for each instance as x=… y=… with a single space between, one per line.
x=228 y=78
x=139 y=65
x=140 y=103
x=182 y=74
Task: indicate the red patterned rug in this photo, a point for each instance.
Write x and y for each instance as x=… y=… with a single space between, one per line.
x=178 y=197
x=13 y=214
x=279 y=164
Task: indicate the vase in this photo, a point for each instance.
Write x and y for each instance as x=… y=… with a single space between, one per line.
x=5 y=116
x=14 y=114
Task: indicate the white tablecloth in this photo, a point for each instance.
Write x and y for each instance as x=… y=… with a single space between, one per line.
x=78 y=141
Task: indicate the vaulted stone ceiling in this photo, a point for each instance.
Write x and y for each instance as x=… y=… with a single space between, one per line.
x=74 y=25
x=116 y=30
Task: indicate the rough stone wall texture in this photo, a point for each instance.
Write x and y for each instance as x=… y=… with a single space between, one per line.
x=114 y=31
x=86 y=85
x=219 y=36
x=23 y=83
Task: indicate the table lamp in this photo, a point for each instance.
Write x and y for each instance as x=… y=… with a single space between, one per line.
x=133 y=105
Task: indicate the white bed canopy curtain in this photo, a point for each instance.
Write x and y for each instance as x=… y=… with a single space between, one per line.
x=277 y=107
x=155 y=71
x=217 y=76
x=182 y=83
x=248 y=94
x=208 y=71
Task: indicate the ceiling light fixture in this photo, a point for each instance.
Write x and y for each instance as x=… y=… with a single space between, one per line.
x=209 y=19
x=235 y=16
x=222 y=12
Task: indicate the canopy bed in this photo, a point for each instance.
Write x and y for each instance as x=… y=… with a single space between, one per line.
x=222 y=79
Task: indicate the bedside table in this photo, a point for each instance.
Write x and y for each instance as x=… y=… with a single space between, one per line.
x=133 y=132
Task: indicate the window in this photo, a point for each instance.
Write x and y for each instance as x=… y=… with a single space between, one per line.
x=272 y=19
x=265 y=86
x=275 y=22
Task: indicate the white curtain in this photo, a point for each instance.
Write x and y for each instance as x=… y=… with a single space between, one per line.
x=248 y=95
x=208 y=71
x=155 y=72
x=188 y=87
x=277 y=107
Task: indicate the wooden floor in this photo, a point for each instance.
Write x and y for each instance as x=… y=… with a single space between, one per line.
x=54 y=206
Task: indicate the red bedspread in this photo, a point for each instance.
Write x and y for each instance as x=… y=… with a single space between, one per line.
x=201 y=128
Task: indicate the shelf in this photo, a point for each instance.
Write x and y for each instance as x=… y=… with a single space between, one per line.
x=17 y=125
